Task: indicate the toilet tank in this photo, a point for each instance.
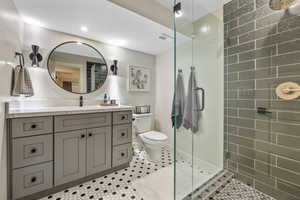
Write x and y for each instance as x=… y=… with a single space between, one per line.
x=142 y=122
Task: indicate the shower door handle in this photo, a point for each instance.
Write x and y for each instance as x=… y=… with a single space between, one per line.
x=202 y=99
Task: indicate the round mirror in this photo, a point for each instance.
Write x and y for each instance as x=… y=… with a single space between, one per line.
x=77 y=67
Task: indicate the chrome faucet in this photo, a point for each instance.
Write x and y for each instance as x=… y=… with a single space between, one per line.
x=81 y=101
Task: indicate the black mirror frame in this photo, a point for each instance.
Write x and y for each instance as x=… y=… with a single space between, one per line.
x=82 y=43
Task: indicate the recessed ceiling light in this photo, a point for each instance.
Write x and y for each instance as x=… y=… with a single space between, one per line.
x=84 y=29
x=117 y=42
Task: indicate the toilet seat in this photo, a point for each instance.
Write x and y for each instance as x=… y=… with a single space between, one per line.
x=154 y=138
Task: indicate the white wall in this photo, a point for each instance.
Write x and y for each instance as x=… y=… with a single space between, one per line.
x=44 y=87
x=10 y=41
x=16 y=36
x=164 y=93
x=208 y=60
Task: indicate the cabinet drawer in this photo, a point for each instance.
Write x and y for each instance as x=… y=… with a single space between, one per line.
x=122 y=154
x=31 y=126
x=82 y=121
x=122 y=117
x=33 y=179
x=122 y=134
x=32 y=150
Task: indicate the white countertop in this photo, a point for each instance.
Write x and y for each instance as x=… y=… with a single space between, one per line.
x=63 y=110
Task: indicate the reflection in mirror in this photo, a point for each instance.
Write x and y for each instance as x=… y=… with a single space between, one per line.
x=77 y=67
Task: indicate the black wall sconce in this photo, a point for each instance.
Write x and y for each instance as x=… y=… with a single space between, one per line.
x=114 y=68
x=35 y=56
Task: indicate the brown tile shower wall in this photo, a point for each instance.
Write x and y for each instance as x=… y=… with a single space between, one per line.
x=262 y=50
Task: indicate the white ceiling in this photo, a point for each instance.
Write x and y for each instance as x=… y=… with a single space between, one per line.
x=195 y=9
x=106 y=22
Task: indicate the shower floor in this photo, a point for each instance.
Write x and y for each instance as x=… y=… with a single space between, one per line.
x=236 y=190
x=188 y=178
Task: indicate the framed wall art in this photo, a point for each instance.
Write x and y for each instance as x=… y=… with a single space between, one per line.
x=139 y=79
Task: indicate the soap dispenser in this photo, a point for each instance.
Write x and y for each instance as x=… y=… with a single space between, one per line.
x=105 y=100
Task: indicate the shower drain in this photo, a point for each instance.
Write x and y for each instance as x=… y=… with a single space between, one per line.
x=214 y=184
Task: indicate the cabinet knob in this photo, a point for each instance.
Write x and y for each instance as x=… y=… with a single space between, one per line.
x=82 y=136
x=122 y=154
x=123 y=134
x=33 y=150
x=33 y=179
x=90 y=134
x=123 y=117
x=33 y=126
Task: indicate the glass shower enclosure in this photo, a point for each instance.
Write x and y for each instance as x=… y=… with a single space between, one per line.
x=199 y=152
x=245 y=55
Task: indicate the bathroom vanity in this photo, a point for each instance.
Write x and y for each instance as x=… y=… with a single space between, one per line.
x=50 y=149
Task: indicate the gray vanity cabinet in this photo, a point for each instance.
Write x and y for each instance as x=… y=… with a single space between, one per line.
x=98 y=150
x=57 y=151
x=69 y=156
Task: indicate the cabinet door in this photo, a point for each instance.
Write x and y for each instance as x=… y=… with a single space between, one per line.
x=98 y=150
x=70 y=156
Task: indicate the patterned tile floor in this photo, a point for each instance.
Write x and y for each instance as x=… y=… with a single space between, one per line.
x=235 y=190
x=119 y=185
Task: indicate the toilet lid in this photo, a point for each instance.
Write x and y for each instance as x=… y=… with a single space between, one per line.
x=153 y=135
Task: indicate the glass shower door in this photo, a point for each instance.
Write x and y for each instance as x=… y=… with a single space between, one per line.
x=199 y=152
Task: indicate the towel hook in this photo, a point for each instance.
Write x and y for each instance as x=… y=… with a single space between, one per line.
x=21 y=58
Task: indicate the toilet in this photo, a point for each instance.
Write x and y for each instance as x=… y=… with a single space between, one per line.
x=153 y=141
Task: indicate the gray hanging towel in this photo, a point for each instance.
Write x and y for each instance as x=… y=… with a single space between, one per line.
x=191 y=112
x=178 y=101
x=21 y=82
